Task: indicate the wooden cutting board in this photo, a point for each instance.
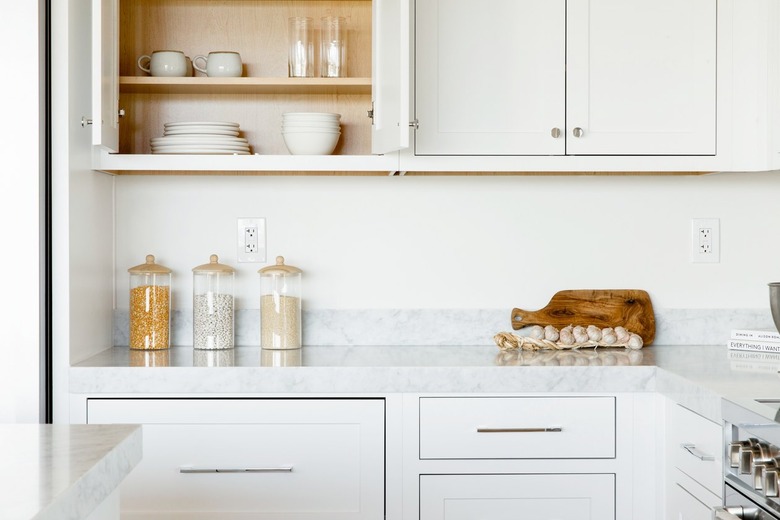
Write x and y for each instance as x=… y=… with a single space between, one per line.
x=630 y=308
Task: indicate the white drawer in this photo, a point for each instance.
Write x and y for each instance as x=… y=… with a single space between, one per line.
x=264 y=458
x=517 y=427
x=512 y=497
x=696 y=444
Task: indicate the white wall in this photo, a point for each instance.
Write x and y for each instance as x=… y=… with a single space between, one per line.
x=462 y=242
x=19 y=213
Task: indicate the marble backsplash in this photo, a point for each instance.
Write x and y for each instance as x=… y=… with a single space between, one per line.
x=451 y=326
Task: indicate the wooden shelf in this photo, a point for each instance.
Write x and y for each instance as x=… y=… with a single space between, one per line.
x=203 y=85
x=163 y=164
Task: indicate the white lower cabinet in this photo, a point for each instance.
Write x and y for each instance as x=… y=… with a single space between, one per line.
x=509 y=497
x=561 y=457
x=694 y=479
x=683 y=505
x=296 y=459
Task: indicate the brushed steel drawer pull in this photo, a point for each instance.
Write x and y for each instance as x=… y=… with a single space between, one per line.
x=691 y=448
x=190 y=469
x=554 y=429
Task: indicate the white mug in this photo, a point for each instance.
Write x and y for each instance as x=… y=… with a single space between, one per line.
x=225 y=64
x=164 y=63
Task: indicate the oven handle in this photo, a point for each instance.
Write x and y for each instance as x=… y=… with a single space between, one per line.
x=735 y=513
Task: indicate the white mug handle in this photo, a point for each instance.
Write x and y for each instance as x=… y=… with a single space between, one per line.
x=145 y=69
x=195 y=63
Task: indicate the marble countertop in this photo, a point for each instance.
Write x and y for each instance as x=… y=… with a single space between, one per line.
x=696 y=376
x=61 y=472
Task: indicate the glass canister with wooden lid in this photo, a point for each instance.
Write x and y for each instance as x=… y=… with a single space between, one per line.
x=212 y=305
x=150 y=306
x=280 y=306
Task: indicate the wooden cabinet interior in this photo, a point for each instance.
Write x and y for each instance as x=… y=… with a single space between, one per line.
x=257 y=29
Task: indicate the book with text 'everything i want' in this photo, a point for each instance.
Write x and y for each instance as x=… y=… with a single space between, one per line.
x=756 y=335
x=755 y=346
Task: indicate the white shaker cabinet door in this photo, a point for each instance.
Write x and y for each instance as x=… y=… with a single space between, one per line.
x=258 y=459
x=641 y=77
x=390 y=76
x=105 y=74
x=516 y=497
x=684 y=506
x=490 y=77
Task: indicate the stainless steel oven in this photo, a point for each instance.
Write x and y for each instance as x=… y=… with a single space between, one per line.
x=751 y=462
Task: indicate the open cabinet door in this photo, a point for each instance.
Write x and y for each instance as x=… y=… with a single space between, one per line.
x=105 y=74
x=390 y=76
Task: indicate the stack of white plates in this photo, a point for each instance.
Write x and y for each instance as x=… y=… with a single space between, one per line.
x=196 y=137
x=311 y=133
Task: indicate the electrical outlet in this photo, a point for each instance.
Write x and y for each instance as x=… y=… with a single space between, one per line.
x=705 y=240
x=251 y=240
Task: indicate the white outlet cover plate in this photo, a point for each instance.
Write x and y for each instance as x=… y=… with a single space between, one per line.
x=697 y=256
x=241 y=254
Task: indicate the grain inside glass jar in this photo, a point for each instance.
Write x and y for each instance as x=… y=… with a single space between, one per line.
x=150 y=306
x=212 y=305
x=280 y=306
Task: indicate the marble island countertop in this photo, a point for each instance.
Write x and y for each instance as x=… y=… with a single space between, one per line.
x=697 y=376
x=62 y=472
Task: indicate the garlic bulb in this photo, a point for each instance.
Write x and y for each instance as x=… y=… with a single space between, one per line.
x=536 y=332
x=594 y=333
x=608 y=336
x=634 y=341
x=551 y=333
x=622 y=334
x=580 y=334
x=566 y=336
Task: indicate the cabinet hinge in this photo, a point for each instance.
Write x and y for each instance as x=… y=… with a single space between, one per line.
x=414 y=124
x=371 y=113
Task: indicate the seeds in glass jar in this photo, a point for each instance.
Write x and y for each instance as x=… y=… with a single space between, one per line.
x=149 y=317
x=212 y=321
x=279 y=325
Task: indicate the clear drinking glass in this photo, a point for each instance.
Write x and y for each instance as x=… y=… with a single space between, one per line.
x=301 y=47
x=333 y=47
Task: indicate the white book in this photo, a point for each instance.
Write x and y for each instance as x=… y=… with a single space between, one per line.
x=756 y=335
x=756 y=346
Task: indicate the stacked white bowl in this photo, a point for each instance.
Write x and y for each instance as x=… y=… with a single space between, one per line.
x=311 y=133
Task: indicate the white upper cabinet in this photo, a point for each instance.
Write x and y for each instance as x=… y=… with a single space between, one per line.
x=557 y=77
x=390 y=76
x=490 y=78
x=105 y=74
x=641 y=77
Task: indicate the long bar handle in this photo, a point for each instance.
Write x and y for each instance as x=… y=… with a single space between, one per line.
x=190 y=469
x=691 y=448
x=520 y=430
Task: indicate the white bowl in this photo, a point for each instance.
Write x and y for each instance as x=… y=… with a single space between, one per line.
x=315 y=115
x=310 y=115
x=309 y=129
x=308 y=143
x=314 y=124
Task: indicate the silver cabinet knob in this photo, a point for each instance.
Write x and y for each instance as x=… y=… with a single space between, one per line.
x=577 y=132
x=555 y=132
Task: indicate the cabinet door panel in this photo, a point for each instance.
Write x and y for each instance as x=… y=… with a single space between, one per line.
x=641 y=77
x=489 y=81
x=684 y=506
x=105 y=74
x=253 y=458
x=390 y=75
x=450 y=427
x=509 y=497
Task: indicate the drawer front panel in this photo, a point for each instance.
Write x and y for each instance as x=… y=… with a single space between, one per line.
x=696 y=444
x=509 y=497
x=300 y=458
x=517 y=427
